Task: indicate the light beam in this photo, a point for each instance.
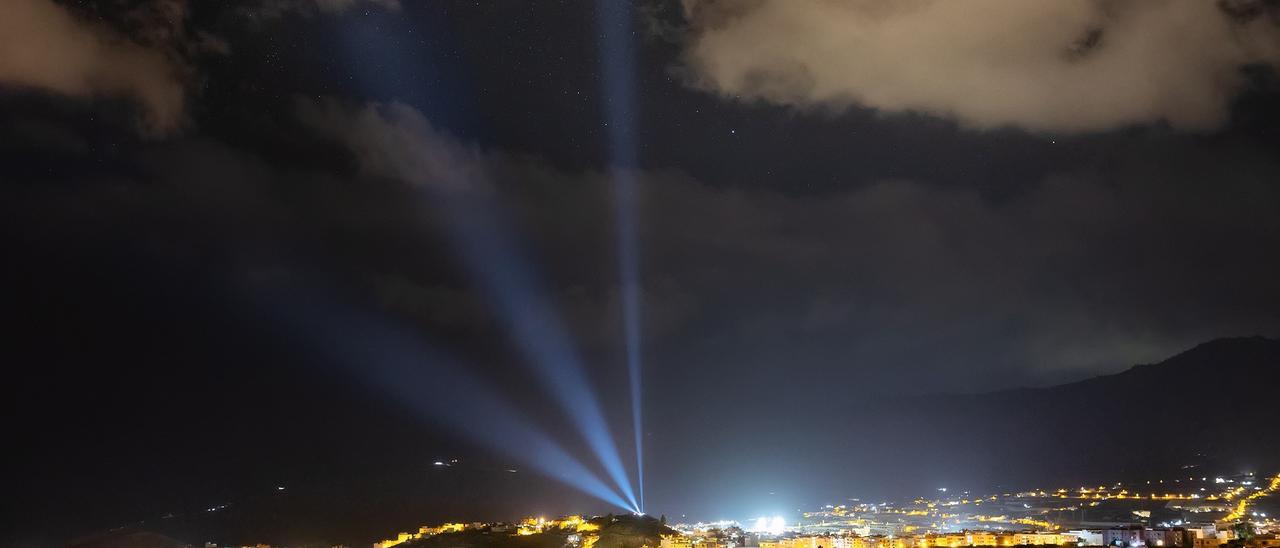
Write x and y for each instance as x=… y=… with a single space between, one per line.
x=399 y=364
x=618 y=60
x=490 y=256
x=531 y=320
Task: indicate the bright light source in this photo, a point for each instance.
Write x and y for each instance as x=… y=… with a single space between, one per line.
x=438 y=463
x=762 y=525
x=771 y=526
x=279 y=488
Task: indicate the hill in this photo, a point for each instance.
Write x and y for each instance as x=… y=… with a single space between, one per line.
x=1214 y=407
x=615 y=531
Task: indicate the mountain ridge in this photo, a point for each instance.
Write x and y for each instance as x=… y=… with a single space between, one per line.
x=1256 y=342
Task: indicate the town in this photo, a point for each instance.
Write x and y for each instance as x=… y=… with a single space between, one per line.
x=1186 y=512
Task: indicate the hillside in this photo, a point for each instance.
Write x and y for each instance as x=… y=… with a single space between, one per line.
x=615 y=531
x=1215 y=406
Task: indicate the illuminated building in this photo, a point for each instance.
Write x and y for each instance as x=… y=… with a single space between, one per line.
x=400 y=539
x=426 y=530
x=676 y=541
x=1165 y=537
x=1206 y=542
x=808 y=542
x=1039 y=539
x=981 y=538
x=1087 y=537
x=1263 y=541
x=949 y=540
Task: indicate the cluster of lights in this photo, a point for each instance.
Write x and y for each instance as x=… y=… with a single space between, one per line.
x=1232 y=500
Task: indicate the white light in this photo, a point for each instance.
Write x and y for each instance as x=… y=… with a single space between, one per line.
x=762 y=525
x=279 y=488
x=438 y=463
x=770 y=525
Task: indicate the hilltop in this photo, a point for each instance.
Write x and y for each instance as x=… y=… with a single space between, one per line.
x=609 y=531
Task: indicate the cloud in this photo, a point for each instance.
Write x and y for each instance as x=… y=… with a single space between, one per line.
x=1044 y=66
x=396 y=141
x=44 y=46
x=1081 y=271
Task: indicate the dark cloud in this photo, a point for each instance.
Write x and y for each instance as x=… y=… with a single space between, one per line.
x=1080 y=272
x=272 y=9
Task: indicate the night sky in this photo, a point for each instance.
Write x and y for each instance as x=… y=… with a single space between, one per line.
x=230 y=228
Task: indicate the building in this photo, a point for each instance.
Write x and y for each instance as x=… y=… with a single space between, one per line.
x=1264 y=541
x=821 y=541
x=1165 y=536
x=981 y=538
x=1042 y=539
x=1201 y=530
x=1088 y=537
x=426 y=530
x=400 y=539
x=1128 y=535
x=678 y=541
x=948 y=540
